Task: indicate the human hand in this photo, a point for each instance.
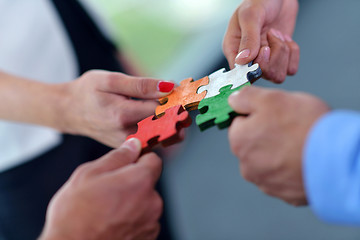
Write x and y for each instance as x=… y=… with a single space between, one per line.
x=110 y=198
x=270 y=140
x=99 y=104
x=260 y=31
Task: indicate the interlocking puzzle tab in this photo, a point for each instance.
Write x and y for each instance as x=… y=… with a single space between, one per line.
x=216 y=110
x=184 y=95
x=209 y=95
x=236 y=77
x=164 y=130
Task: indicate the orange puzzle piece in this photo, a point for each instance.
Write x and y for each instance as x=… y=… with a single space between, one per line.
x=164 y=130
x=184 y=95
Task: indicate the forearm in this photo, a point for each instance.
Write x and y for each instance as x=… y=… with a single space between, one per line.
x=28 y=101
x=332 y=167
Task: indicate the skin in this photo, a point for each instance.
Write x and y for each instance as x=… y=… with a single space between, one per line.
x=98 y=104
x=264 y=27
x=269 y=140
x=112 y=197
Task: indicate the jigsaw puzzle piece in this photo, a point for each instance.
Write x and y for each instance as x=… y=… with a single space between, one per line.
x=236 y=77
x=164 y=130
x=185 y=95
x=216 y=110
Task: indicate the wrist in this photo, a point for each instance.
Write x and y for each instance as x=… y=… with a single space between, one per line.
x=62 y=104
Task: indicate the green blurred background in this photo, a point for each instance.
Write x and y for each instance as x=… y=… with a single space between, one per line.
x=156 y=32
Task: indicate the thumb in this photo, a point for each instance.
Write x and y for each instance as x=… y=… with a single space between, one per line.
x=126 y=154
x=250 y=40
x=244 y=101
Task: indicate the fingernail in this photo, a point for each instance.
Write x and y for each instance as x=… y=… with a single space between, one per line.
x=281 y=36
x=133 y=144
x=243 y=54
x=266 y=54
x=233 y=96
x=277 y=34
x=287 y=38
x=165 y=87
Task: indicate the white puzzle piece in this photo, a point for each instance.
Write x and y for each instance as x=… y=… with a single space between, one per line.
x=235 y=77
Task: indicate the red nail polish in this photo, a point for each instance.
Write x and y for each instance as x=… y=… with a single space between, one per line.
x=165 y=86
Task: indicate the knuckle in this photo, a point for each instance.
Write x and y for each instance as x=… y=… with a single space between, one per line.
x=122 y=120
x=83 y=170
x=90 y=73
x=272 y=74
x=111 y=79
x=158 y=205
x=268 y=191
x=280 y=78
x=285 y=48
x=235 y=136
x=295 y=203
x=295 y=48
x=246 y=173
x=142 y=86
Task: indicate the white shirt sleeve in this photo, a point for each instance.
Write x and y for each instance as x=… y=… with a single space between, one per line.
x=33 y=44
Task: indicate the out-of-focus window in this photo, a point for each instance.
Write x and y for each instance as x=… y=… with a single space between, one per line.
x=168 y=34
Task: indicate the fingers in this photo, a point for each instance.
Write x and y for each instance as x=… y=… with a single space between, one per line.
x=127 y=153
x=135 y=111
x=294 y=58
x=280 y=58
x=231 y=40
x=153 y=164
x=250 y=39
x=138 y=87
x=236 y=134
x=246 y=100
x=242 y=39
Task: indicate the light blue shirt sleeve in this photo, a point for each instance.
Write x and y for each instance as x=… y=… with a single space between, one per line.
x=331 y=167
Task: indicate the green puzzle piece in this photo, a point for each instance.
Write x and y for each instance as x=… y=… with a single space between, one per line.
x=216 y=110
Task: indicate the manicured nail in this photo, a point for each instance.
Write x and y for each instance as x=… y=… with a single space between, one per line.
x=287 y=38
x=165 y=87
x=266 y=54
x=133 y=144
x=243 y=54
x=281 y=36
x=277 y=34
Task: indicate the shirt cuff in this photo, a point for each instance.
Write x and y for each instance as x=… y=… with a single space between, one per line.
x=331 y=167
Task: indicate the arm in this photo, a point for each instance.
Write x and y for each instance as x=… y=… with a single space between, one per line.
x=292 y=147
x=332 y=167
x=98 y=104
x=269 y=142
x=24 y=100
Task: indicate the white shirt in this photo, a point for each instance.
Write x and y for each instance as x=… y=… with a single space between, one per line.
x=33 y=44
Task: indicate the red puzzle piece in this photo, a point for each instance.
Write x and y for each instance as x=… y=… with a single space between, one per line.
x=164 y=130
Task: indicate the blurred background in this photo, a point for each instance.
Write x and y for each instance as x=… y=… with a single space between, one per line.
x=176 y=39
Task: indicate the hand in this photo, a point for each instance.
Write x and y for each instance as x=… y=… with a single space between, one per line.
x=260 y=31
x=100 y=105
x=110 y=198
x=270 y=140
